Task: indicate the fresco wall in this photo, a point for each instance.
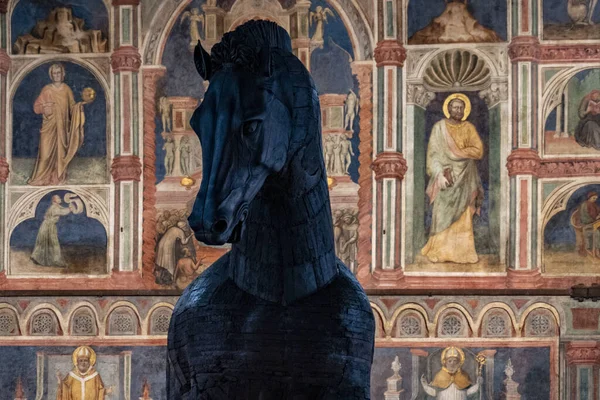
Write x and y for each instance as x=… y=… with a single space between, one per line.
x=461 y=141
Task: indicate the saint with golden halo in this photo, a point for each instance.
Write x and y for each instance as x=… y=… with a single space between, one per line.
x=455 y=191
x=83 y=382
x=451 y=382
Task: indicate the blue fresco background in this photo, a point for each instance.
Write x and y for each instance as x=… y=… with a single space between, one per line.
x=72 y=229
x=146 y=363
x=28 y=12
x=27 y=124
x=491 y=14
x=559 y=233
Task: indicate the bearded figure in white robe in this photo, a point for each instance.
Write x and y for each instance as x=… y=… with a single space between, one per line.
x=451 y=382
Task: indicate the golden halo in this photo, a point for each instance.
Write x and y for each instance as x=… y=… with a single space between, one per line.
x=464 y=99
x=461 y=354
x=83 y=349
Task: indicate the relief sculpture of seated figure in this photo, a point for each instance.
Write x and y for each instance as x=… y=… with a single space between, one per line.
x=61 y=32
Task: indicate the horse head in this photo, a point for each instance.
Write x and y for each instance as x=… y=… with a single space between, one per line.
x=244 y=124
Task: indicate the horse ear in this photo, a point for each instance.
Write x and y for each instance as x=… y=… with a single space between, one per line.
x=202 y=61
x=265 y=61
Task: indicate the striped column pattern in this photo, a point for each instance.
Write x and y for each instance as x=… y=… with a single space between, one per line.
x=4 y=168
x=389 y=165
x=524 y=162
x=126 y=166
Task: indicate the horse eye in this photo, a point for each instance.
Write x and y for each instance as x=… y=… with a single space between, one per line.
x=250 y=127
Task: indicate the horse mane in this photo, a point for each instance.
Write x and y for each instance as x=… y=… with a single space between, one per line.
x=241 y=46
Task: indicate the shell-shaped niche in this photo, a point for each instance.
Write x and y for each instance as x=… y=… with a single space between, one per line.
x=457 y=70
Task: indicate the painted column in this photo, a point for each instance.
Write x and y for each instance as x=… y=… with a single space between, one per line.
x=364 y=74
x=4 y=168
x=583 y=365
x=389 y=165
x=126 y=167
x=151 y=76
x=523 y=162
x=299 y=22
x=214 y=25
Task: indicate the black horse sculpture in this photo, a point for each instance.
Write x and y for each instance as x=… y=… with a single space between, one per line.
x=279 y=316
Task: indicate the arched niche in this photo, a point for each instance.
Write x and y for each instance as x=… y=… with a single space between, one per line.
x=9 y=322
x=564 y=105
x=481 y=74
x=92 y=15
x=410 y=323
x=496 y=323
x=452 y=323
x=83 y=322
x=159 y=321
x=123 y=321
x=44 y=322
x=58 y=232
x=91 y=161
x=540 y=322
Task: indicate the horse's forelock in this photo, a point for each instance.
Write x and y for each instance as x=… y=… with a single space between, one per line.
x=242 y=46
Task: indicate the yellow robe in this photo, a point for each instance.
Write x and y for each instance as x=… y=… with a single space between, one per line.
x=453 y=146
x=77 y=387
x=443 y=379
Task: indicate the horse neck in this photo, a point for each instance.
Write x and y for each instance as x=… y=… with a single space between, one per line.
x=286 y=250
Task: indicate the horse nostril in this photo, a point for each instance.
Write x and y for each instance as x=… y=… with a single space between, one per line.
x=220 y=226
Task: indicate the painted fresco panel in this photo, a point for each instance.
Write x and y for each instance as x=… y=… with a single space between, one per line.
x=124 y=370
x=528 y=368
x=64 y=230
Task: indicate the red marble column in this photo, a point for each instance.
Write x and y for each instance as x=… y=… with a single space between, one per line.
x=5 y=65
x=364 y=74
x=4 y=68
x=389 y=165
x=126 y=166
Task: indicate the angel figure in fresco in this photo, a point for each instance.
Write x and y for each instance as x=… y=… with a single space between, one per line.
x=83 y=382
x=195 y=19
x=587 y=132
x=319 y=16
x=62 y=132
x=451 y=382
x=454 y=188
x=47 y=250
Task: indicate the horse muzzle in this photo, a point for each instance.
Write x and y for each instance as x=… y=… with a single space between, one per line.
x=222 y=231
